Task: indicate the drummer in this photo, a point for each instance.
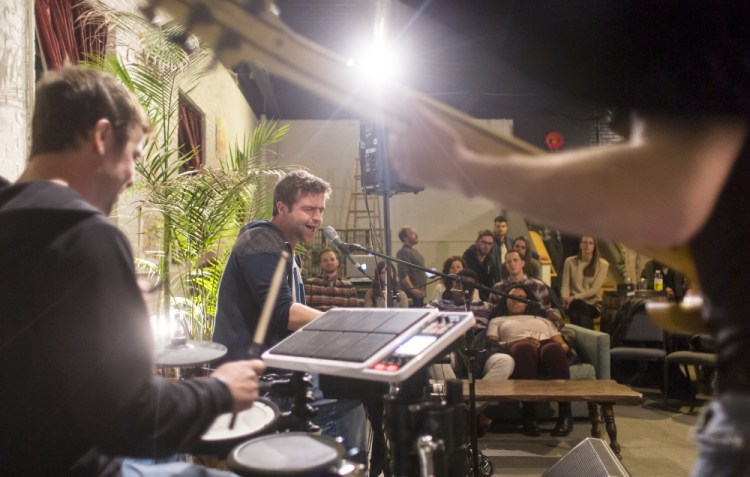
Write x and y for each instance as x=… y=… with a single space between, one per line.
x=78 y=383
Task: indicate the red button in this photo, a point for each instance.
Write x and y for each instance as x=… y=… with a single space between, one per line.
x=379 y=366
x=392 y=367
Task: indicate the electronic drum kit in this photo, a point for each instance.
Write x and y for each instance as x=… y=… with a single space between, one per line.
x=249 y=440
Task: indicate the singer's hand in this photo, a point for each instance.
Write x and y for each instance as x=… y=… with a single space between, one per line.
x=242 y=379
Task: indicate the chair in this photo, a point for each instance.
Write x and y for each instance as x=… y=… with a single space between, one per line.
x=698 y=356
x=643 y=341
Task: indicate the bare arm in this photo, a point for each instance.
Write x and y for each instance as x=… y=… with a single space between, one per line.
x=300 y=315
x=559 y=340
x=689 y=158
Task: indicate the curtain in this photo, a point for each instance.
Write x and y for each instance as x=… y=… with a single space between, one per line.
x=190 y=135
x=68 y=32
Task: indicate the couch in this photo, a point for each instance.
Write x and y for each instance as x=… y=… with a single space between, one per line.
x=593 y=349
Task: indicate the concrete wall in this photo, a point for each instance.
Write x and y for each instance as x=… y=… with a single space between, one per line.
x=16 y=84
x=447 y=222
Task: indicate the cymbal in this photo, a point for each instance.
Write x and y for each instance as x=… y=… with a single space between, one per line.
x=176 y=353
x=683 y=318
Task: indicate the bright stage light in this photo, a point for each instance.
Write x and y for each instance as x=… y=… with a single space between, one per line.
x=377 y=65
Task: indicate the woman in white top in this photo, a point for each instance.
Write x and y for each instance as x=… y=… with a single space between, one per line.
x=452 y=266
x=583 y=277
x=537 y=348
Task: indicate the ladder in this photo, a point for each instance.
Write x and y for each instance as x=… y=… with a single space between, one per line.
x=364 y=209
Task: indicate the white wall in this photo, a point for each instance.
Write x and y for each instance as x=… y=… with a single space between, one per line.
x=16 y=84
x=447 y=222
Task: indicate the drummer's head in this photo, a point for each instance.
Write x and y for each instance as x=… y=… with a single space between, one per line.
x=299 y=201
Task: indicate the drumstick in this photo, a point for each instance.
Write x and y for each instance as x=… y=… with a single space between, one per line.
x=256 y=348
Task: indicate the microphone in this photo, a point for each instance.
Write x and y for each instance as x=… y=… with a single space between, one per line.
x=333 y=237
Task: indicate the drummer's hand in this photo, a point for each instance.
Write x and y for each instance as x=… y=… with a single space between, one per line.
x=242 y=379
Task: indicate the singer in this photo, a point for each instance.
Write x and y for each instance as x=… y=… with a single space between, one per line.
x=299 y=203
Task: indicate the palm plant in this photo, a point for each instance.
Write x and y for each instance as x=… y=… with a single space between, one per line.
x=194 y=215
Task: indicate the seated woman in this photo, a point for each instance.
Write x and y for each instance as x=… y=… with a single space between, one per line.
x=375 y=297
x=537 y=348
x=442 y=290
x=583 y=277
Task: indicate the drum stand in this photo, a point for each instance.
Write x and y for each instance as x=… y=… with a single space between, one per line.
x=427 y=438
x=297 y=387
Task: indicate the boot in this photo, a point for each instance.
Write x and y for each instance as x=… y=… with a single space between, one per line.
x=483 y=424
x=564 y=425
x=530 y=426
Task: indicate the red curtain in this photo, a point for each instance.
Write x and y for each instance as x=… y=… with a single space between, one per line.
x=68 y=32
x=190 y=135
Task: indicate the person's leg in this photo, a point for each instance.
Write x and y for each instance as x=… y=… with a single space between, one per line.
x=582 y=314
x=526 y=360
x=553 y=360
x=498 y=367
x=526 y=367
x=555 y=365
x=343 y=418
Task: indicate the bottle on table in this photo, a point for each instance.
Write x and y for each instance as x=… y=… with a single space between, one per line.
x=658 y=281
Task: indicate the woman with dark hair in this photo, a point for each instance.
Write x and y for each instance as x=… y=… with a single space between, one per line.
x=375 y=297
x=537 y=348
x=583 y=277
x=451 y=266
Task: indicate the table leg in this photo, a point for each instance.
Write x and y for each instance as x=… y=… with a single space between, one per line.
x=594 y=416
x=609 y=423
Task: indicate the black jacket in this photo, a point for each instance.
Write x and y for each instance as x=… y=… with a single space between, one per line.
x=76 y=344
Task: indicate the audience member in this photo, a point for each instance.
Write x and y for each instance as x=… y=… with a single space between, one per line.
x=583 y=277
x=537 y=349
x=490 y=364
x=452 y=266
x=327 y=290
x=532 y=267
x=478 y=257
x=376 y=296
x=413 y=281
x=630 y=262
x=502 y=243
x=674 y=282
x=80 y=392
x=299 y=201
x=514 y=265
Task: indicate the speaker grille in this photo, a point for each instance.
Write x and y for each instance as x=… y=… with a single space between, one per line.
x=590 y=458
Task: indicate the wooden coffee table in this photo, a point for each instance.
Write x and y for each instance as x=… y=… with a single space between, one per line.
x=605 y=393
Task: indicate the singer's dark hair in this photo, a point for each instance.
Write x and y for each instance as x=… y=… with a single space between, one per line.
x=295 y=184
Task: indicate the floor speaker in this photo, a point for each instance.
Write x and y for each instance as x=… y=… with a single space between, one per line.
x=590 y=458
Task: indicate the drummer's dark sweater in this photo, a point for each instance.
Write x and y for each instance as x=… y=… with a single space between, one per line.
x=76 y=346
